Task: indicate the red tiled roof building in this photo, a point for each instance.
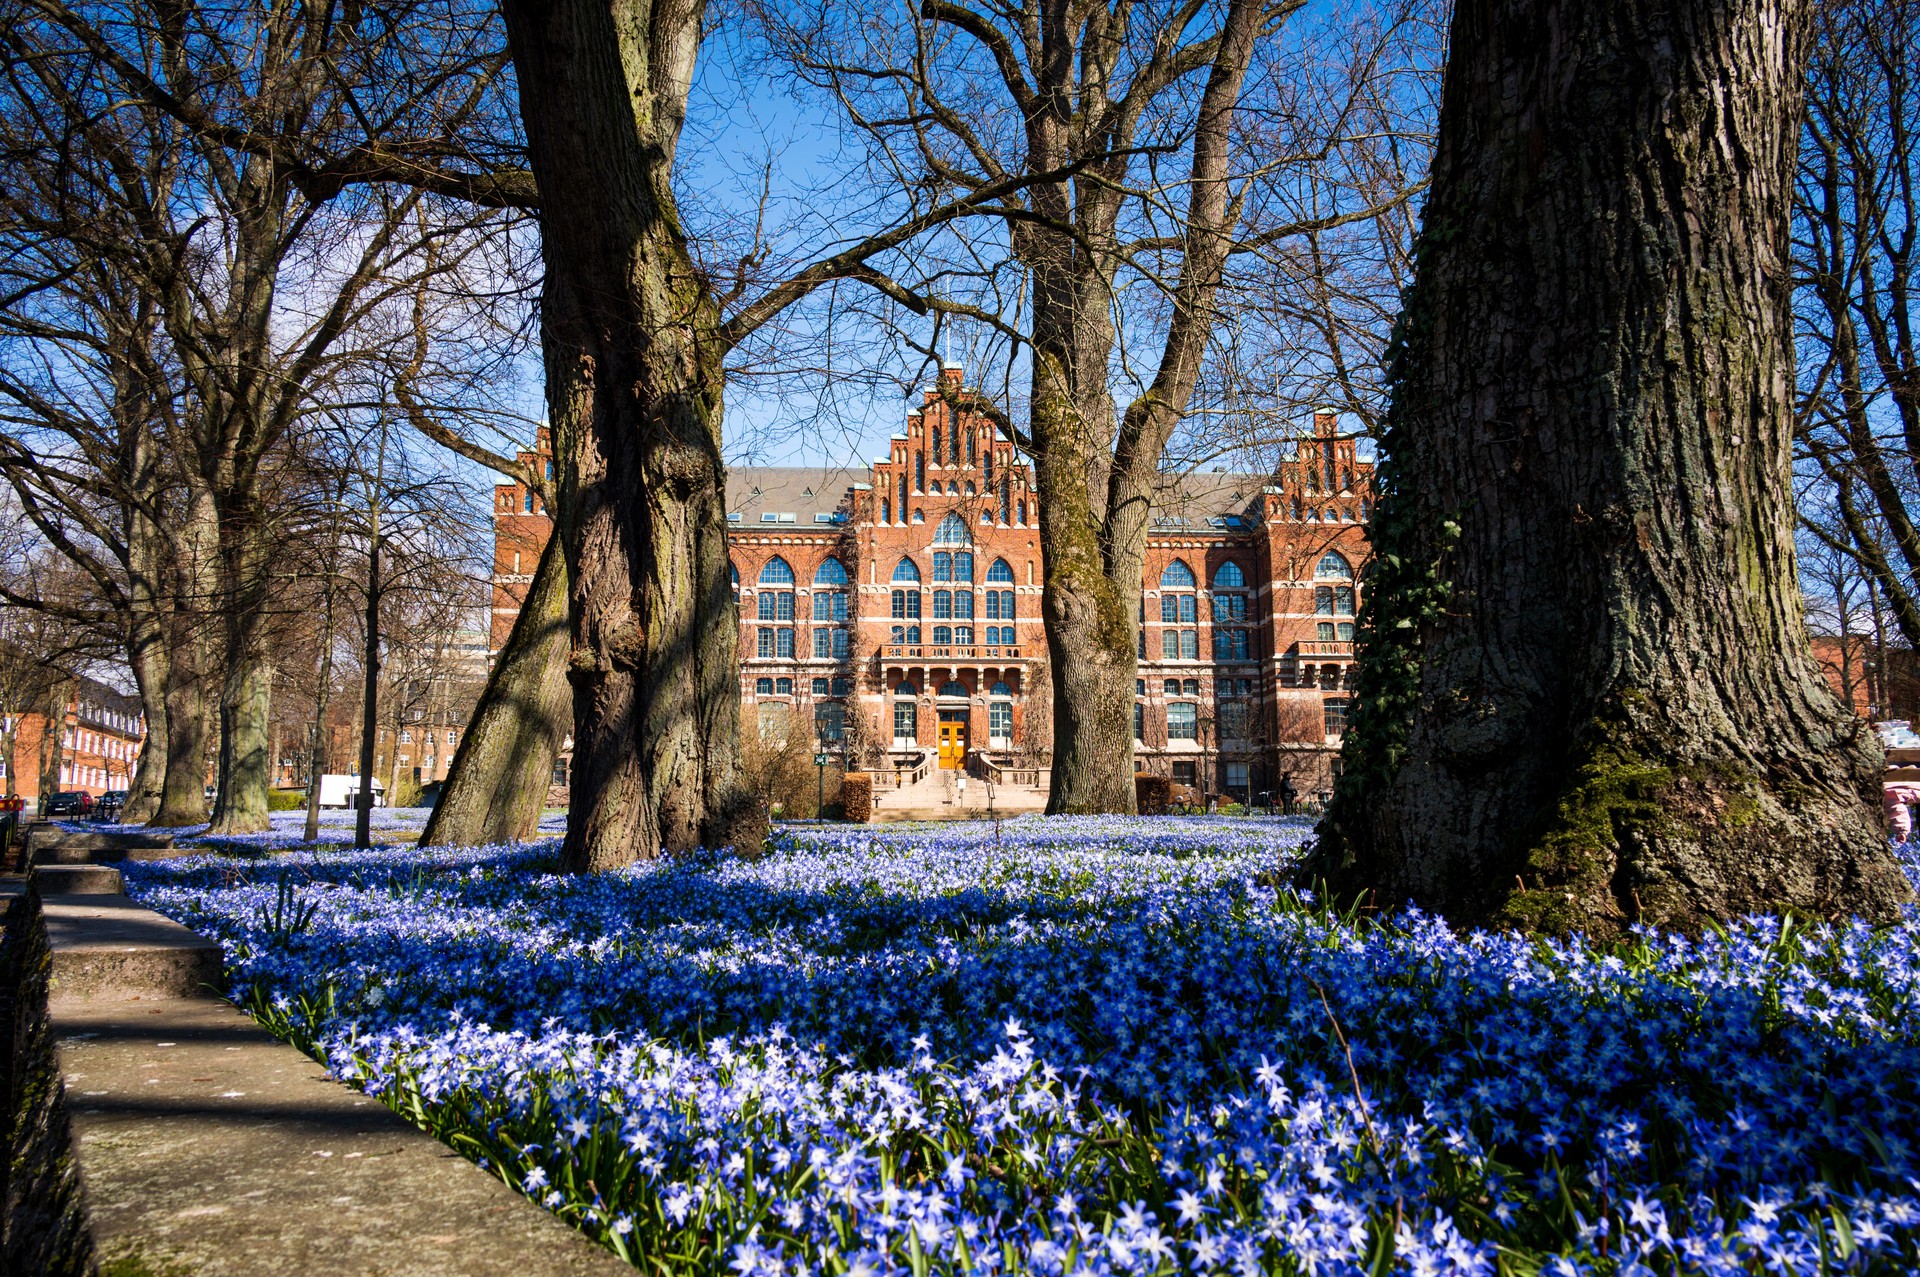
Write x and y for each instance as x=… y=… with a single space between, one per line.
x=898 y=610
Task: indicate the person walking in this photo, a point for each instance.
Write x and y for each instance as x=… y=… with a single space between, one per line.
x=1288 y=795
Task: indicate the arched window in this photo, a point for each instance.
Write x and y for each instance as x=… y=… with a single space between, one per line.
x=919 y=516
x=1000 y=689
x=1333 y=564
x=953 y=687
x=999 y=572
x=529 y=503
x=1229 y=577
x=830 y=572
x=1178 y=576
x=777 y=572
x=763 y=687
x=1020 y=508
x=906 y=689
x=903 y=498
x=962 y=566
x=942 y=637
x=906 y=570
x=952 y=531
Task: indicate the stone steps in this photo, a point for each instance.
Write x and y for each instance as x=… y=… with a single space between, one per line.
x=205 y=1145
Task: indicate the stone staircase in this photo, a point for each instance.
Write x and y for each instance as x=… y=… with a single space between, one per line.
x=200 y=1143
x=940 y=796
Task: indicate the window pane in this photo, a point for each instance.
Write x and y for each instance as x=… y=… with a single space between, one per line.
x=1189 y=609
x=764 y=645
x=963 y=605
x=822 y=648
x=783 y=645
x=1169 y=610
x=1182 y=721
x=1190 y=645
x=819 y=687
x=1170 y=645
x=1336 y=715
x=841 y=639
x=943 y=605
x=764 y=608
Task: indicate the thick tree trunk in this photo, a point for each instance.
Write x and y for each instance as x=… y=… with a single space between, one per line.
x=183 y=793
x=498 y=783
x=147 y=655
x=1586 y=692
x=1090 y=603
x=246 y=763
x=191 y=664
x=633 y=353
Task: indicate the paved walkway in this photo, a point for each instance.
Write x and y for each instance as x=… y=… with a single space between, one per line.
x=209 y=1147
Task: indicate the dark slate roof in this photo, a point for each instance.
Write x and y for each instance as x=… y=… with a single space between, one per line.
x=801 y=491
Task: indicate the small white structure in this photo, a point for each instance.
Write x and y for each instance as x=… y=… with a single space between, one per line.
x=340 y=791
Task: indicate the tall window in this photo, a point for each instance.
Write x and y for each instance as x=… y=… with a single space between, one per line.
x=1334 y=709
x=919 y=472
x=1230 y=645
x=963 y=566
x=942 y=604
x=963 y=605
x=942 y=635
x=1179 y=609
x=938 y=438
x=1333 y=600
x=1183 y=721
x=1000 y=605
x=1006 y=498
x=906 y=604
x=906 y=717
x=1000 y=720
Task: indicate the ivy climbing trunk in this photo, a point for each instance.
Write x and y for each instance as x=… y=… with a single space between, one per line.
x=498 y=783
x=633 y=348
x=1586 y=696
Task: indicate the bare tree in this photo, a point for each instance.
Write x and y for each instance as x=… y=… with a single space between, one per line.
x=1161 y=144
x=1855 y=252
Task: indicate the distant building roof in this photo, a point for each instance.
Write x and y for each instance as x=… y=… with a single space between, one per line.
x=754 y=492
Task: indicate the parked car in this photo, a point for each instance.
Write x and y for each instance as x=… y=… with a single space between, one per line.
x=69 y=802
x=108 y=806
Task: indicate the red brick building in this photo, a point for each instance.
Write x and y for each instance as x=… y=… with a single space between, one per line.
x=102 y=734
x=898 y=609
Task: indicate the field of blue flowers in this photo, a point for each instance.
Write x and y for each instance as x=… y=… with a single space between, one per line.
x=1107 y=1045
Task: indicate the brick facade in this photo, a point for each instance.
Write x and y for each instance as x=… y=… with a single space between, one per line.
x=104 y=732
x=897 y=610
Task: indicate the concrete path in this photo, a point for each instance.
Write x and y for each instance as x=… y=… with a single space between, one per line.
x=208 y=1147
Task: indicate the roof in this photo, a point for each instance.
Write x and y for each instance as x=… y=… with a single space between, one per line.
x=1198 y=497
x=801 y=491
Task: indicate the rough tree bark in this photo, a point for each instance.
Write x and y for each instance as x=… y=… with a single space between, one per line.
x=1586 y=695
x=1095 y=482
x=634 y=382
x=190 y=662
x=497 y=785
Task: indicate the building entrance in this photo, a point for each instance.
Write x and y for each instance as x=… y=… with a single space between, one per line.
x=953 y=738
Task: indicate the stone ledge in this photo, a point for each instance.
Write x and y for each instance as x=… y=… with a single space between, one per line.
x=108 y=944
x=77 y=880
x=206 y=1144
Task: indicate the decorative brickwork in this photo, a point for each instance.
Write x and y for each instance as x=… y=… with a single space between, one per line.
x=899 y=608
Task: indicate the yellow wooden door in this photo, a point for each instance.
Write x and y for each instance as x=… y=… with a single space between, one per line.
x=953 y=744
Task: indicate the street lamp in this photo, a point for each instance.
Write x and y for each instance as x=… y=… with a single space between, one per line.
x=1205 y=724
